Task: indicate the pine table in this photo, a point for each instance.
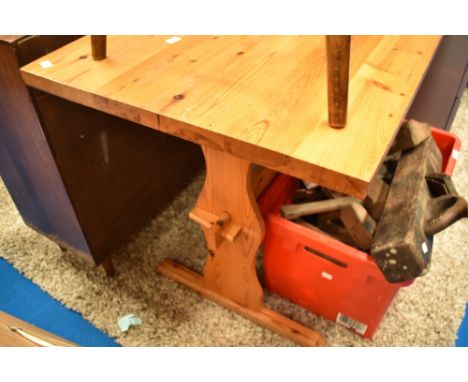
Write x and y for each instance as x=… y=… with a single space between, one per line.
x=247 y=100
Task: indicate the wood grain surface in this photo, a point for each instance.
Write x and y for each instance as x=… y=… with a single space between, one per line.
x=230 y=267
x=9 y=337
x=262 y=98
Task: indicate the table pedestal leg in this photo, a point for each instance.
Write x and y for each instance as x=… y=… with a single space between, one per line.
x=233 y=228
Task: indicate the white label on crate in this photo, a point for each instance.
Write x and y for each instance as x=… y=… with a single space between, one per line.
x=327 y=276
x=46 y=64
x=455 y=154
x=351 y=324
x=173 y=40
x=424 y=247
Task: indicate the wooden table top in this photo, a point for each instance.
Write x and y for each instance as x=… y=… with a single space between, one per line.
x=262 y=98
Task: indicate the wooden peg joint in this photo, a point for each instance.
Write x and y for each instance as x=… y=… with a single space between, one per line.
x=217 y=227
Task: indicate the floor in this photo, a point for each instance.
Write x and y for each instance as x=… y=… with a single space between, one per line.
x=23 y=299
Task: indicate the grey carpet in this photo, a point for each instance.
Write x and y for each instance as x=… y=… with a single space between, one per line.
x=427 y=313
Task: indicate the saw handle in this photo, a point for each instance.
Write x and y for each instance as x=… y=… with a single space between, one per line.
x=444 y=210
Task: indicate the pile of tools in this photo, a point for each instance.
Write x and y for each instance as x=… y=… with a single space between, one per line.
x=408 y=202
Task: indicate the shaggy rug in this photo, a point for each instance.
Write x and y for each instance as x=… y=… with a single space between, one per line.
x=427 y=313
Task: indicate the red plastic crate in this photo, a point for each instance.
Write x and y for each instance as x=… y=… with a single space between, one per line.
x=324 y=275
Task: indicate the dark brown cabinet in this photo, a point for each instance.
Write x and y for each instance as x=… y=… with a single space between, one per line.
x=83 y=178
x=439 y=95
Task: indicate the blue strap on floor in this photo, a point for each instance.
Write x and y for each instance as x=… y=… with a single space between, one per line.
x=462 y=339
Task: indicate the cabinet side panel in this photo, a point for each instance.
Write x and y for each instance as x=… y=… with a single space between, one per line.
x=27 y=166
x=439 y=95
x=118 y=174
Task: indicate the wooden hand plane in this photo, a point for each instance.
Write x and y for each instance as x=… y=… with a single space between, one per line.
x=421 y=202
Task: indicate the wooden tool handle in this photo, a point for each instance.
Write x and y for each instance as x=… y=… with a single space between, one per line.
x=294 y=211
x=98 y=47
x=359 y=224
x=447 y=209
x=338 y=53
